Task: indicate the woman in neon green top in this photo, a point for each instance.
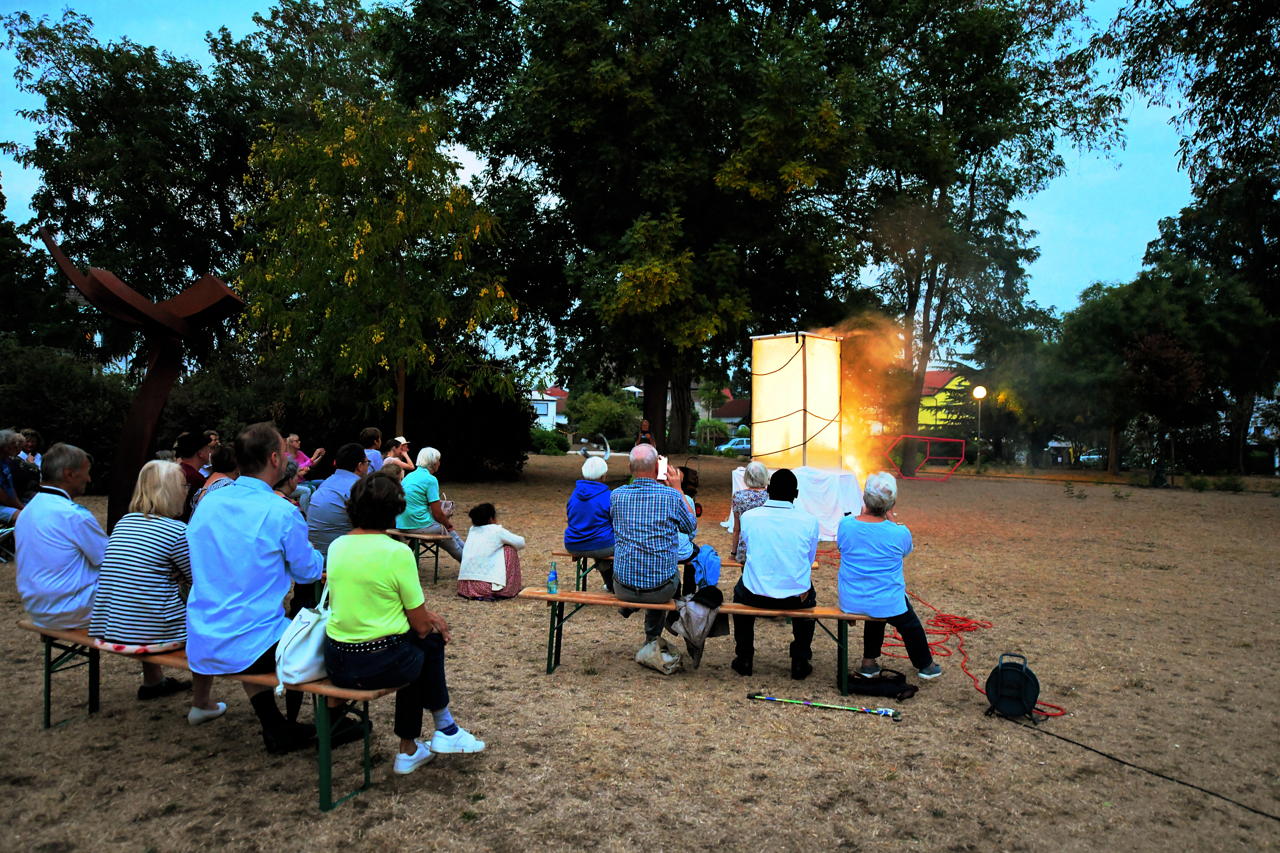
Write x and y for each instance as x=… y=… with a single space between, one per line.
x=380 y=633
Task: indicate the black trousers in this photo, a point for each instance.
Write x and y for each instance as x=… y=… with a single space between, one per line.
x=416 y=660
x=744 y=627
x=911 y=631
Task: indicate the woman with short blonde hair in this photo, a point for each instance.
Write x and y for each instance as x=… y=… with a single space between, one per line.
x=140 y=605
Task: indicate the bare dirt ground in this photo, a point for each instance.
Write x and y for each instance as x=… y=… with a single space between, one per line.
x=1150 y=615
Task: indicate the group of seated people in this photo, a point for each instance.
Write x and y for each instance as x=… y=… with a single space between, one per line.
x=19 y=472
x=639 y=534
x=216 y=585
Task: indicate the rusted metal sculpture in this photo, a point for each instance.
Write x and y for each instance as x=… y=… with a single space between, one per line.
x=166 y=326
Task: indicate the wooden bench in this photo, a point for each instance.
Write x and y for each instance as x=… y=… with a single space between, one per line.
x=429 y=542
x=580 y=599
x=583 y=568
x=75 y=649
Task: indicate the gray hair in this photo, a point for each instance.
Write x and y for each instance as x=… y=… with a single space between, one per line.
x=428 y=457
x=10 y=439
x=60 y=459
x=880 y=493
x=594 y=468
x=757 y=476
x=643 y=457
x=290 y=471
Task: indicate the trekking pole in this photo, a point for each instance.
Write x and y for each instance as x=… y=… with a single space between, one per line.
x=892 y=714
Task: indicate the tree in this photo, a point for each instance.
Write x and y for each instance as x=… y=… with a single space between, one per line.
x=141 y=157
x=360 y=259
x=687 y=147
x=1213 y=58
x=977 y=95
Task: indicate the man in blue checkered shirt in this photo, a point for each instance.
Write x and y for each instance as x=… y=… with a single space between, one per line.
x=646 y=516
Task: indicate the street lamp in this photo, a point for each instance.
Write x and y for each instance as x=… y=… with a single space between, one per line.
x=979 y=392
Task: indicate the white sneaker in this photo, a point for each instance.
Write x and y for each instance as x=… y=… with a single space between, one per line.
x=199 y=716
x=406 y=764
x=460 y=741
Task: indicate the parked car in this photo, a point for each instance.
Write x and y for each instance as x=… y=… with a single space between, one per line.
x=1094 y=458
x=740 y=446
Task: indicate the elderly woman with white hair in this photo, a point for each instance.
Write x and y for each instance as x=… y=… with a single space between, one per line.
x=870 y=581
x=424 y=508
x=589 y=532
x=756 y=480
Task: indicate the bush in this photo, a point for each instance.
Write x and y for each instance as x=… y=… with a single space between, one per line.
x=549 y=442
x=1230 y=483
x=1199 y=484
x=65 y=399
x=711 y=432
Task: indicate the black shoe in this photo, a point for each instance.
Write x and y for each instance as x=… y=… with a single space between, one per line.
x=347 y=729
x=625 y=612
x=166 y=687
x=740 y=666
x=289 y=737
x=800 y=669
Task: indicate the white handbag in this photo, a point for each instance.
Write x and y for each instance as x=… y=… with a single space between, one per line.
x=300 y=652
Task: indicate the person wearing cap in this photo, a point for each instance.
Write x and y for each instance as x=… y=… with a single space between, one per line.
x=589 y=532
x=870 y=579
x=781 y=541
x=395 y=458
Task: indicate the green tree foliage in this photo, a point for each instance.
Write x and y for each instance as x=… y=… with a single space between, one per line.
x=141 y=157
x=977 y=96
x=1165 y=344
x=91 y=404
x=611 y=415
x=362 y=237
x=1215 y=60
x=687 y=147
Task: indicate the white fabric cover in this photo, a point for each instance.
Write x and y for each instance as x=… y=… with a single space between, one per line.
x=825 y=493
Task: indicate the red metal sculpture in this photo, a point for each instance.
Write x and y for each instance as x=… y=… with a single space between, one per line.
x=165 y=325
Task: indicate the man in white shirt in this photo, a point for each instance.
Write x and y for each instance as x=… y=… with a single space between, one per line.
x=60 y=544
x=781 y=541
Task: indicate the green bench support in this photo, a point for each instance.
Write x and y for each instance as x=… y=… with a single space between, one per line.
x=75 y=649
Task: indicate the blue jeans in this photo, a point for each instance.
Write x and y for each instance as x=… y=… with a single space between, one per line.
x=417 y=662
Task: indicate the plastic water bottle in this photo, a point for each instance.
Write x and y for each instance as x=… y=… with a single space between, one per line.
x=553 y=583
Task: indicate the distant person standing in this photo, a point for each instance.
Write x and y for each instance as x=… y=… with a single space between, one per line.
x=644 y=436
x=371 y=441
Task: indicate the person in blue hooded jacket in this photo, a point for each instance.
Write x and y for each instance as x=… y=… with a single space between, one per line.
x=590 y=532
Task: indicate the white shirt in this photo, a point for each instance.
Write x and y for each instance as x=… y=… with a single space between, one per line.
x=60 y=546
x=482 y=558
x=781 y=542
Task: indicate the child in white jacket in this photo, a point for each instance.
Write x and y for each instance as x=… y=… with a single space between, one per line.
x=490 y=565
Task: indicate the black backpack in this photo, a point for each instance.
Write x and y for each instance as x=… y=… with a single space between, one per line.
x=889 y=682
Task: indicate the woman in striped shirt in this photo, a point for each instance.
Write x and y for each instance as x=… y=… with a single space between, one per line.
x=140 y=605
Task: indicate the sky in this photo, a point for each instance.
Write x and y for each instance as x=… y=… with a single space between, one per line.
x=1093 y=222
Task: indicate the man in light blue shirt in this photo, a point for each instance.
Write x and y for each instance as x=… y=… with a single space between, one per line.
x=327 y=512
x=60 y=545
x=781 y=541
x=247 y=545
x=371 y=439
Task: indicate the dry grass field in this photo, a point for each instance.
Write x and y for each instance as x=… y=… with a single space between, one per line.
x=1150 y=615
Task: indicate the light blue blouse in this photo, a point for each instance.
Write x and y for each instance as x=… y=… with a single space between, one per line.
x=870 y=579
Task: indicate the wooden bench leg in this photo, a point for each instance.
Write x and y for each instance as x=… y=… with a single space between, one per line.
x=69 y=657
x=324 y=753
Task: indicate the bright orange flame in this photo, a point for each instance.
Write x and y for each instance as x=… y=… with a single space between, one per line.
x=870 y=352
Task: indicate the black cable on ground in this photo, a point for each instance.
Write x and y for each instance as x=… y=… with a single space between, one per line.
x=1156 y=773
